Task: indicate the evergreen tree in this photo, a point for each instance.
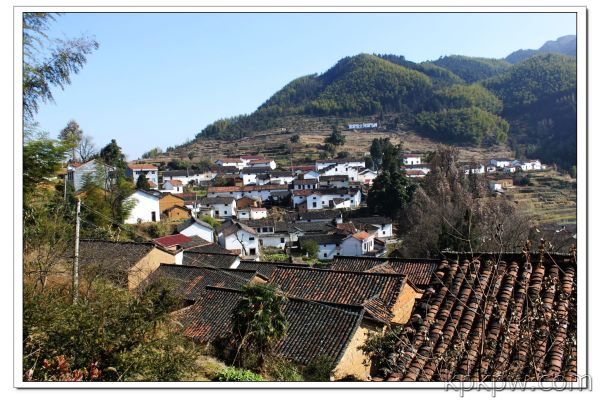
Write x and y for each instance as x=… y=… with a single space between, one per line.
x=72 y=135
x=142 y=183
x=258 y=321
x=112 y=155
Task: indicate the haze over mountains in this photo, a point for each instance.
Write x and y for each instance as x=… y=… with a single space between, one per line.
x=527 y=99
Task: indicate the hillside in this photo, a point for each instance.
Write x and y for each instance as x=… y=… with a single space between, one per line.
x=566 y=45
x=466 y=101
x=539 y=97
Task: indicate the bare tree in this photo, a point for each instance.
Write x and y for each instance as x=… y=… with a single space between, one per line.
x=86 y=149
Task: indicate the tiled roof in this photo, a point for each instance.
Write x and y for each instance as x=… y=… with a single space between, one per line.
x=340 y=160
x=418 y=271
x=230 y=160
x=326 y=239
x=212 y=248
x=303 y=192
x=113 y=259
x=172 y=240
x=252 y=188
x=305 y=181
x=341 y=287
x=209 y=201
x=362 y=235
x=315 y=227
x=375 y=220
x=190 y=222
x=334 y=178
x=320 y=214
x=200 y=258
x=189 y=282
x=142 y=166
x=231 y=227
x=495 y=321
x=314 y=329
x=176 y=182
x=265 y=268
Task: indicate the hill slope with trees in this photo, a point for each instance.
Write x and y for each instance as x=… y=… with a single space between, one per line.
x=455 y=99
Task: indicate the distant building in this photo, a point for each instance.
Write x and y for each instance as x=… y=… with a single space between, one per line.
x=95 y=170
x=412 y=159
x=134 y=171
x=363 y=125
x=146 y=207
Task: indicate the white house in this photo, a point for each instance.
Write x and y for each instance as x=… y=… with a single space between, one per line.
x=474 y=169
x=382 y=226
x=500 y=163
x=239 y=238
x=328 y=244
x=223 y=206
x=196 y=227
x=337 y=181
x=174 y=186
x=135 y=170
x=412 y=159
x=300 y=184
x=532 y=165
x=358 y=244
x=146 y=207
x=490 y=168
x=231 y=162
x=312 y=175
x=262 y=192
x=281 y=177
x=262 y=163
x=328 y=197
x=366 y=176
x=189 y=176
x=363 y=125
x=342 y=165
x=258 y=213
x=78 y=174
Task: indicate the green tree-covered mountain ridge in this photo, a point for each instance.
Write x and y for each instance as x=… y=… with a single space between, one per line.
x=455 y=99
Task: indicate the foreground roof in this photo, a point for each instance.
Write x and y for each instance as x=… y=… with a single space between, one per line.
x=314 y=329
x=341 y=287
x=198 y=257
x=189 y=282
x=266 y=268
x=510 y=320
x=418 y=271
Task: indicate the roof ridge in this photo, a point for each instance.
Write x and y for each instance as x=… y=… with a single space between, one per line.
x=345 y=271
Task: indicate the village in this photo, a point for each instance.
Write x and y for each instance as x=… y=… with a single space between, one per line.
x=301 y=229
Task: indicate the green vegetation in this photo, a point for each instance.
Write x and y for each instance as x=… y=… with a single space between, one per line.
x=390 y=192
x=310 y=248
x=48 y=62
x=463 y=96
x=215 y=223
x=539 y=96
x=472 y=69
x=464 y=125
x=142 y=182
x=110 y=334
x=231 y=374
x=258 y=323
x=336 y=138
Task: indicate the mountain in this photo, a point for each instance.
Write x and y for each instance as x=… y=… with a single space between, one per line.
x=539 y=97
x=472 y=69
x=371 y=85
x=455 y=99
x=566 y=45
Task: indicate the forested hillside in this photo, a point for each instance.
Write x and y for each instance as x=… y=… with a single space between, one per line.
x=455 y=99
x=539 y=97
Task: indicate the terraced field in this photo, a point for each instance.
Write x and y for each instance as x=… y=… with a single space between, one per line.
x=550 y=199
x=275 y=143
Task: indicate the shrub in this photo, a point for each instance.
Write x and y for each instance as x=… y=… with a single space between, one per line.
x=280 y=369
x=311 y=248
x=237 y=375
x=319 y=369
x=109 y=334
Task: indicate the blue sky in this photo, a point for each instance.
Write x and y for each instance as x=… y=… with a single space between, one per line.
x=158 y=79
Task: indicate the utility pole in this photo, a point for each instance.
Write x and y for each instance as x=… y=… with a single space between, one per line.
x=65 y=191
x=76 y=258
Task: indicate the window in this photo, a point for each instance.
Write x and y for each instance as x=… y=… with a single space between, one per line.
x=252 y=252
x=314 y=204
x=224 y=212
x=153 y=216
x=251 y=238
x=282 y=240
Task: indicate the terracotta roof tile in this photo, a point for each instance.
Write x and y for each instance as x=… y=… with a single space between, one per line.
x=314 y=329
x=507 y=320
x=418 y=271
